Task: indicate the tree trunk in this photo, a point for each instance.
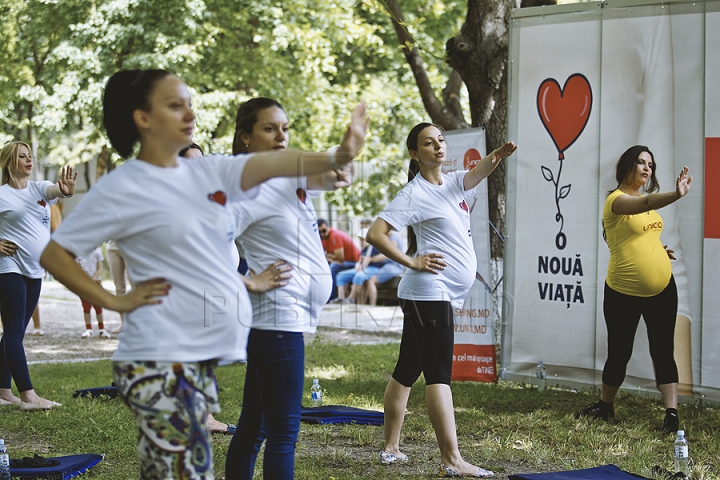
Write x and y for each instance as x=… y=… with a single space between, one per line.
x=448 y=115
x=479 y=54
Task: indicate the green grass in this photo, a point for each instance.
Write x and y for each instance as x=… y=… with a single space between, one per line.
x=508 y=428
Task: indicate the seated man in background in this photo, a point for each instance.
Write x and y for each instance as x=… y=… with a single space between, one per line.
x=372 y=269
x=340 y=250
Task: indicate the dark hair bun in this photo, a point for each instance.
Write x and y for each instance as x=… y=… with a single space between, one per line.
x=118 y=106
x=125 y=92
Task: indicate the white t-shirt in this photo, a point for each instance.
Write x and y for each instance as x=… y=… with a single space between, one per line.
x=25 y=220
x=440 y=217
x=89 y=263
x=280 y=224
x=172 y=223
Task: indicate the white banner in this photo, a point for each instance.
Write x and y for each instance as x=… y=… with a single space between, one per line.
x=629 y=76
x=710 y=373
x=474 y=356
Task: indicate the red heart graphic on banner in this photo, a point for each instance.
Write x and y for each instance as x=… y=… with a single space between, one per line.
x=301 y=194
x=464 y=206
x=565 y=112
x=42 y=203
x=472 y=157
x=218 y=197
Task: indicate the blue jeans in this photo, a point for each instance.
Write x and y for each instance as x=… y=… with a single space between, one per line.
x=18 y=298
x=271 y=406
x=334 y=269
x=383 y=274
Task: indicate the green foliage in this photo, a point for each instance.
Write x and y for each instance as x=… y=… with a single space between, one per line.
x=317 y=57
x=509 y=428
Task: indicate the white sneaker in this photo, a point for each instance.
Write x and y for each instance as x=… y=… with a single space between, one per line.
x=104 y=334
x=87 y=334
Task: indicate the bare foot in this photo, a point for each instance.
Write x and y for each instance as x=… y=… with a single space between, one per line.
x=7 y=397
x=31 y=401
x=464 y=469
x=40 y=404
x=9 y=402
x=216 y=427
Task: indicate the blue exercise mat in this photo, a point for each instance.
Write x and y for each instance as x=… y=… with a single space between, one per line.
x=598 y=473
x=340 y=414
x=69 y=466
x=111 y=391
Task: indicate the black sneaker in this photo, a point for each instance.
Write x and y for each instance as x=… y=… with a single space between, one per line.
x=597 y=410
x=671 y=423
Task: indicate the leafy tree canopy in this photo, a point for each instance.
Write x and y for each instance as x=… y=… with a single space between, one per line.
x=316 y=57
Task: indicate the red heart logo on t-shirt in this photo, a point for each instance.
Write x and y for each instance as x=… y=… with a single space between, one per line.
x=218 y=197
x=464 y=206
x=301 y=194
x=42 y=203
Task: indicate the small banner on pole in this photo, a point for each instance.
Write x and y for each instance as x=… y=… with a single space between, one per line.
x=474 y=353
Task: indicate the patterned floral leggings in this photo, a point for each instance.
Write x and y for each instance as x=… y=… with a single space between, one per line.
x=171 y=402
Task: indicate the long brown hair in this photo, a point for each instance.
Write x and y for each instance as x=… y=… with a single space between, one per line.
x=247 y=117
x=628 y=162
x=413 y=169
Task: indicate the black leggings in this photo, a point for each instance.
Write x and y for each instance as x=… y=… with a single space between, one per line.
x=18 y=299
x=427 y=343
x=622 y=315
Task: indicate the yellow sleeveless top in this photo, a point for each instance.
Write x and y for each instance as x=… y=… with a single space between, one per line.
x=639 y=265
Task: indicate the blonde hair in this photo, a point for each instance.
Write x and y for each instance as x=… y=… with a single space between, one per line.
x=10 y=153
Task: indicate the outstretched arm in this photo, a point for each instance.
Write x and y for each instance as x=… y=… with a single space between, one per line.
x=65 y=187
x=333 y=179
x=292 y=163
x=487 y=164
x=629 y=205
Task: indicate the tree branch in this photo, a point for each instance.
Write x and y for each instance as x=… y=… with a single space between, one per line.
x=451 y=98
x=437 y=111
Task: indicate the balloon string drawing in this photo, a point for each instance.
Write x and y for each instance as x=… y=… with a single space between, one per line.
x=564 y=112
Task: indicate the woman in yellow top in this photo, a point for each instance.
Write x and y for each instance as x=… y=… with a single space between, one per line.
x=639 y=280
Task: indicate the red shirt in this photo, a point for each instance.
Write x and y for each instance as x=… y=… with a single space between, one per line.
x=339 y=239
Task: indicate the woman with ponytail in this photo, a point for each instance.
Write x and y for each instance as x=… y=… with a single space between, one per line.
x=282 y=211
x=441 y=268
x=189 y=309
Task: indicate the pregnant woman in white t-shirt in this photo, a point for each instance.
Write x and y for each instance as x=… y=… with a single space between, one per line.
x=168 y=216
x=441 y=268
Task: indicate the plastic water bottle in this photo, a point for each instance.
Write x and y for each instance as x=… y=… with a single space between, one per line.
x=541 y=374
x=682 y=456
x=316 y=394
x=4 y=461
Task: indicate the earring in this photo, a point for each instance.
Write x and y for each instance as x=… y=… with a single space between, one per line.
x=247 y=145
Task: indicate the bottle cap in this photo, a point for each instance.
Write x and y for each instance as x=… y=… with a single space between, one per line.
x=681 y=432
x=540 y=362
x=315 y=380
